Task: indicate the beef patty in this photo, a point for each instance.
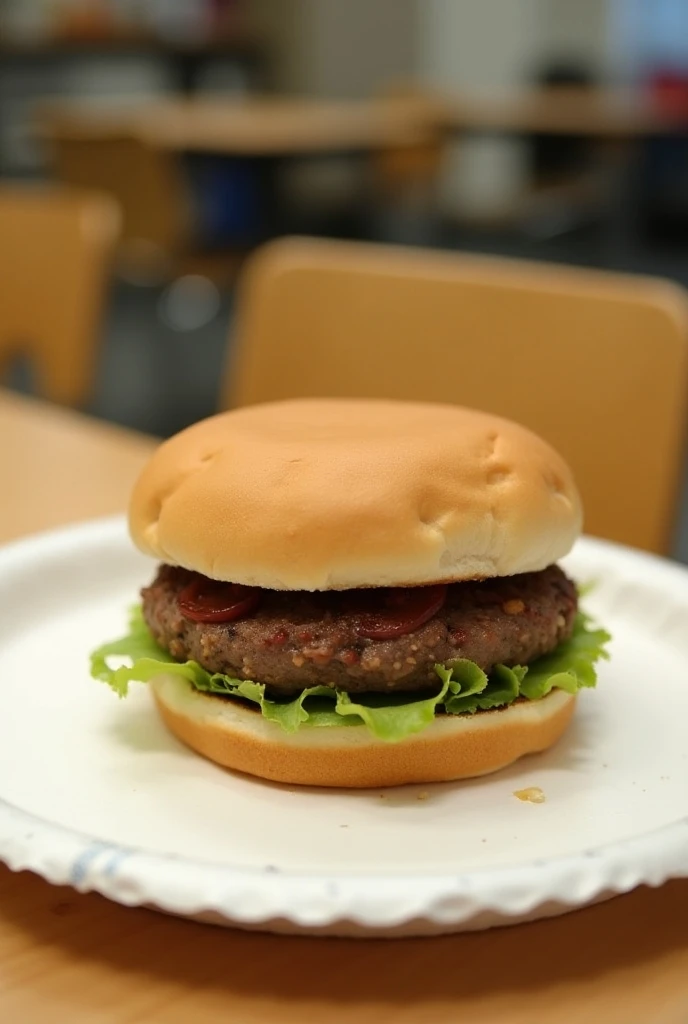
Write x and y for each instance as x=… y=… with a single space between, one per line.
x=296 y=639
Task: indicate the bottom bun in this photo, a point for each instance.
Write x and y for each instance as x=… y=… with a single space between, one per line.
x=452 y=747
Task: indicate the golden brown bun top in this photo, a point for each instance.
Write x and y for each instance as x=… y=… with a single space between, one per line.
x=319 y=494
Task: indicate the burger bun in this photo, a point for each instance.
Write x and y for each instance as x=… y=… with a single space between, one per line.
x=236 y=736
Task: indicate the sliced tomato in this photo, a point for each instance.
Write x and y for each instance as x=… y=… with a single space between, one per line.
x=205 y=600
x=402 y=610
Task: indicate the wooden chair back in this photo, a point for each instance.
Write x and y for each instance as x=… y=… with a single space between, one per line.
x=56 y=248
x=596 y=363
x=146 y=181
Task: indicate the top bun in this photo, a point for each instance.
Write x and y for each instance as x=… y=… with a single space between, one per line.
x=328 y=494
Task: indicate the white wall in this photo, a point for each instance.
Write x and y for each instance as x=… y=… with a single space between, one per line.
x=339 y=48
x=579 y=29
x=358 y=46
x=478 y=45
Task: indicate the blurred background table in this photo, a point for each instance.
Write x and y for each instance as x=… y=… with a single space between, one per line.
x=202 y=177
x=601 y=113
x=405 y=139
x=255 y=125
x=66 y=957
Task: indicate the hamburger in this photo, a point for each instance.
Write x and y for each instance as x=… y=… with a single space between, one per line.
x=357 y=593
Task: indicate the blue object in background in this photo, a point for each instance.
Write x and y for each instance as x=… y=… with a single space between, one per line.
x=230 y=199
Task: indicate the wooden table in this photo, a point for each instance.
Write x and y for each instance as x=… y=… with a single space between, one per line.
x=253 y=126
x=609 y=114
x=618 y=121
x=72 y=959
x=57 y=467
x=279 y=126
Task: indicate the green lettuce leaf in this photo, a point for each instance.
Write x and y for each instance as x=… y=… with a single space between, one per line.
x=502 y=687
x=145 y=659
x=464 y=687
x=392 y=720
x=571 y=665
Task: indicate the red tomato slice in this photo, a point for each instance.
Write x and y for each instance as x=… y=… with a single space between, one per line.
x=403 y=610
x=205 y=600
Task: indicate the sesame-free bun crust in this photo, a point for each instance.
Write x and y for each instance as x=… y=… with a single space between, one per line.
x=452 y=747
x=332 y=494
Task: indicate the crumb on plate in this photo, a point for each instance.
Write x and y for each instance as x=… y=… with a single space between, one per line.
x=531 y=795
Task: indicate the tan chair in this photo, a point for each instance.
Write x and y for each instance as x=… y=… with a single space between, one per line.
x=55 y=253
x=145 y=180
x=158 y=240
x=595 y=362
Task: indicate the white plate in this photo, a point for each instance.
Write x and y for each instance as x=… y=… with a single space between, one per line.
x=96 y=794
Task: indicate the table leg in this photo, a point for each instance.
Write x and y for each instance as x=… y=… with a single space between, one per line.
x=621 y=239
